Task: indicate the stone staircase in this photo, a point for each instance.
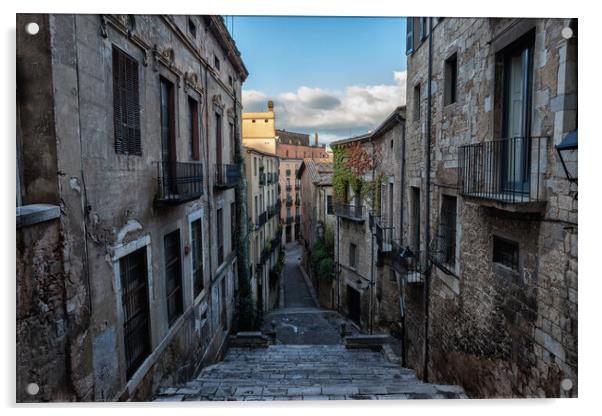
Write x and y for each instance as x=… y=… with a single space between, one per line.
x=306 y=372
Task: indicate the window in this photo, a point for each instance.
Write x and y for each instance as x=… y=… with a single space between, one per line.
x=134 y=297
x=451 y=79
x=446 y=234
x=193 y=123
x=220 y=236
x=415 y=235
x=288 y=173
x=197 y=256
x=218 y=139
x=232 y=142
x=423 y=28
x=168 y=139
x=126 y=104
x=352 y=255
x=392 y=275
x=416 y=102
x=505 y=252
x=173 y=276
x=287 y=153
x=288 y=212
x=216 y=62
x=409 y=35
x=191 y=28
x=329 y=209
x=231 y=81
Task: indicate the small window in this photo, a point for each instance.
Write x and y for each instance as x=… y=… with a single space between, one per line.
x=451 y=79
x=416 y=102
x=253 y=121
x=446 y=233
x=191 y=28
x=329 y=209
x=216 y=62
x=230 y=81
x=391 y=144
x=265 y=121
x=352 y=255
x=505 y=252
x=288 y=172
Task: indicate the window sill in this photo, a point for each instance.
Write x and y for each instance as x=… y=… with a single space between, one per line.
x=36 y=213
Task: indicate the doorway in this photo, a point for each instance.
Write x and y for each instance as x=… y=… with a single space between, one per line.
x=353 y=304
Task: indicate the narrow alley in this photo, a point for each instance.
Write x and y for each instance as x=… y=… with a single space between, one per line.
x=308 y=360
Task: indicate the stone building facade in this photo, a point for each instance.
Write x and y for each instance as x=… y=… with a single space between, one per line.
x=489 y=213
x=129 y=134
x=368 y=224
x=264 y=239
x=317 y=211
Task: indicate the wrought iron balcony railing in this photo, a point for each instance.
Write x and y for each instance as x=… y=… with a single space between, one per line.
x=272 y=211
x=178 y=182
x=351 y=212
x=289 y=201
x=288 y=188
x=504 y=170
x=384 y=237
x=226 y=176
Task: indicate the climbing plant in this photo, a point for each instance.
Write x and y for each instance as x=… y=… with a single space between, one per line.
x=350 y=165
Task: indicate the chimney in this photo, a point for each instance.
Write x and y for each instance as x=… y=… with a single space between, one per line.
x=270 y=105
x=315 y=138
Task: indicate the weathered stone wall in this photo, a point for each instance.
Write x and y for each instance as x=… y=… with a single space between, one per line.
x=498 y=332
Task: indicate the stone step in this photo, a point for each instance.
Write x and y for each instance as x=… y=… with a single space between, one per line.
x=302 y=372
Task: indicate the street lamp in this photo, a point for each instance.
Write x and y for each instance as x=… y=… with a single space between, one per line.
x=567 y=152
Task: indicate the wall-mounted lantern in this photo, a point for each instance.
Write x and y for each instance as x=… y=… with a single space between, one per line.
x=567 y=152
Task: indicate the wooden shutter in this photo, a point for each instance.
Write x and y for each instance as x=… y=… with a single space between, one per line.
x=126 y=104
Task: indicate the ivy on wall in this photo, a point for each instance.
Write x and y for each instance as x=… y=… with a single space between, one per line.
x=350 y=165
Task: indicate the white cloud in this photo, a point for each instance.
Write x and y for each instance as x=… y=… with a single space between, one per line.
x=334 y=114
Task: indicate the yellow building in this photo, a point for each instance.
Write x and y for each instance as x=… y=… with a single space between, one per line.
x=259 y=130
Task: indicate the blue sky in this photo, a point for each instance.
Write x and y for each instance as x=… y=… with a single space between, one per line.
x=336 y=75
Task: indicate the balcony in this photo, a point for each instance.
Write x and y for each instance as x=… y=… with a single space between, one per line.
x=262 y=178
x=288 y=188
x=297 y=201
x=412 y=265
x=289 y=201
x=383 y=235
x=288 y=220
x=269 y=178
x=505 y=173
x=271 y=211
x=261 y=219
x=178 y=182
x=226 y=176
x=350 y=212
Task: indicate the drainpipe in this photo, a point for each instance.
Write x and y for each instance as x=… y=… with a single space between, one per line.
x=427 y=148
x=399 y=279
x=372 y=251
x=207 y=187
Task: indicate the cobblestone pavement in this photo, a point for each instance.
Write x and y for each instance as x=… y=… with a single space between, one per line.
x=308 y=361
x=306 y=372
